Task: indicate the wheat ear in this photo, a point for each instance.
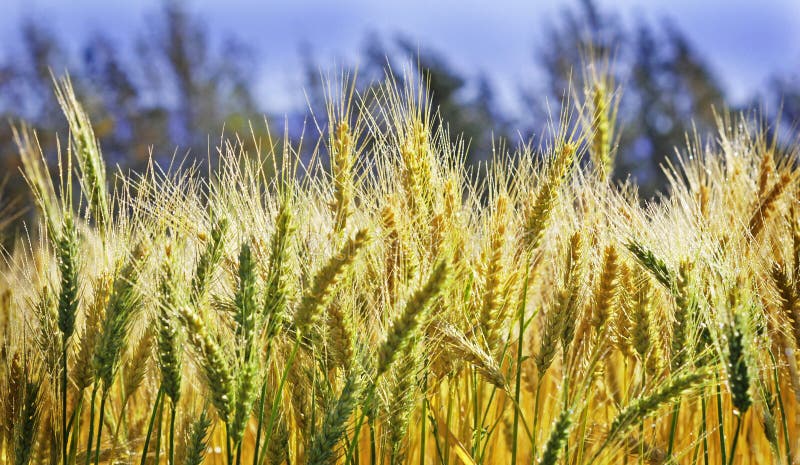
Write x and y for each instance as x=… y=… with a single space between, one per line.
x=407 y=324
x=320 y=293
x=323 y=445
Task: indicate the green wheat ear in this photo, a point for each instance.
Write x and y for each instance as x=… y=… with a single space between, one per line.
x=246 y=319
x=67 y=246
x=209 y=259
x=278 y=447
x=407 y=324
x=643 y=407
x=27 y=423
x=738 y=375
x=558 y=438
x=215 y=366
x=318 y=296
x=275 y=307
x=196 y=446
x=122 y=307
x=169 y=335
x=333 y=425
x=651 y=263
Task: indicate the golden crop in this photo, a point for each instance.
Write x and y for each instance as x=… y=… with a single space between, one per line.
x=376 y=305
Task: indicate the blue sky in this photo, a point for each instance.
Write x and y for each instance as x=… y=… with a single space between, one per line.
x=744 y=41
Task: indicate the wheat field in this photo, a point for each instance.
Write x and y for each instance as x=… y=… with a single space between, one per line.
x=375 y=304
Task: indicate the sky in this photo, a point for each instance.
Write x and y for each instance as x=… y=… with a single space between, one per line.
x=744 y=42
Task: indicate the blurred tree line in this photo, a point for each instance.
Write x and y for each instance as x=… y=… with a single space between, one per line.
x=177 y=88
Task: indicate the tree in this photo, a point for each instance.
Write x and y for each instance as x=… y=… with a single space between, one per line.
x=166 y=92
x=667 y=86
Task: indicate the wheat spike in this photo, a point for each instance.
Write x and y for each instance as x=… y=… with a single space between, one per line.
x=342 y=164
x=123 y=304
x=323 y=445
x=538 y=214
x=215 y=367
x=67 y=245
x=601 y=140
x=574 y=285
x=464 y=348
x=738 y=373
x=645 y=406
x=209 y=259
x=169 y=335
x=492 y=317
x=548 y=339
x=278 y=447
x=766 y=206
x=788 y=298
x=197 y=444
x=605 y=294
x=685 y=306
x=84 y=373
x=27 y=418
x=341 y=334
x=90 y=159
x=275 y=306
x=318 y=296
x=558 y=437
x=406 y=325
x=651 y=263
x=640 y=336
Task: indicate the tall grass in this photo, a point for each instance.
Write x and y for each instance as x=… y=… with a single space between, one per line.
x=375 y=305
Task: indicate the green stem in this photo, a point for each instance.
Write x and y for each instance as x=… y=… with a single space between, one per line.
x=91 y=427
x=369 y=398
x=566 y=396
x=150 y=424
x=485 y=415
x=423 y=418
x=673 y=427
x=64 y=377
x=627 y=391
x=641 y=423
x=75 y=433
x=477 y=427
x=171 y=456
x=159 y=422
x=261 y=401
x=354 y=443
x=518 y=366
x=447 y=424
x=100 y=425
x=582 y=445
x=121 y=420
x=735 y=438
x=783 y=412
x=703 y=428
x=721 y=424
x=372 y=444
x=536 y=414
x=228 y=452
x=488 y=437
x=435 y=432
x=74 y=414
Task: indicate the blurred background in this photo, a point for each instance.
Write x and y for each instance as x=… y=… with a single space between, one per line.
x=167 y=76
